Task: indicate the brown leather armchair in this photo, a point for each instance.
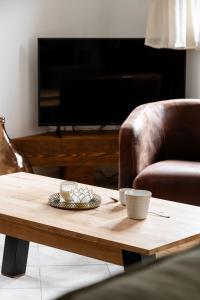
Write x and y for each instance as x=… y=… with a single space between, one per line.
x=160 y=150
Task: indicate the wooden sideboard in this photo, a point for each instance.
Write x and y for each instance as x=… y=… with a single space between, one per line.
x=78 y=153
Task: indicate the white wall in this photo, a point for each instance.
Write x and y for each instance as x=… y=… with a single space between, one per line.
x=22 y=21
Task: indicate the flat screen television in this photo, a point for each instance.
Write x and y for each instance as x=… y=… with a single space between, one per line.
x=99 y=81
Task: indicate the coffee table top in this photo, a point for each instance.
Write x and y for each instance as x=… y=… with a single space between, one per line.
x=24 y=201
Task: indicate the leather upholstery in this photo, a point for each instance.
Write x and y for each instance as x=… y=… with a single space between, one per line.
x=176 y=180
x=167 y=132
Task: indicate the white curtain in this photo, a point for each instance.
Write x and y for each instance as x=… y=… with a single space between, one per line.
x=173 y=24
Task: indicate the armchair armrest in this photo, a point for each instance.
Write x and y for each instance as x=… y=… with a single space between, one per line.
x=141 y=141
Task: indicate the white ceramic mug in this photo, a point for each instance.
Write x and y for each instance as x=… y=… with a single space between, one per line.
x=137 y=203
x=122 y=198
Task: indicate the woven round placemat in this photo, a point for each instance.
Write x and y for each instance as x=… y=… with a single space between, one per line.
x=54 y=200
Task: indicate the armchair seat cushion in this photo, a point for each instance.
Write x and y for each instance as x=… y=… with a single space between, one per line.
x=174 y=180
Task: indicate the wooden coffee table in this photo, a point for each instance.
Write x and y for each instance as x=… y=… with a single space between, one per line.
x=104 y=233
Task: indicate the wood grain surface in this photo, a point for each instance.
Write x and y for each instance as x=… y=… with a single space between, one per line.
x=73 y=148
x=100 y=233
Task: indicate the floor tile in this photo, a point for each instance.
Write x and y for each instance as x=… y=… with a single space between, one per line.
x=52 y=256
x=72 y=276
x=20 y=294
x=115 y=269
x=53 y=293
x=33 y=256
x=33 y=245
x=2 y=239
x=30 y=280
x=56 y=271
x=1 y=254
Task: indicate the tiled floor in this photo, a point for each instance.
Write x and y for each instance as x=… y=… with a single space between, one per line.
x=51 y=272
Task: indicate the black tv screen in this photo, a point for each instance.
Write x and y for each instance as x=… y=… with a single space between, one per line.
x=99 y=81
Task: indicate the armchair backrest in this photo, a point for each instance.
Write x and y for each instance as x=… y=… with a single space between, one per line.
x=158 y=131
x=182 y=129
x=140 y=142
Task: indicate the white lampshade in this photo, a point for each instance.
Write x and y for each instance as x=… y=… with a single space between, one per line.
x=173 y=24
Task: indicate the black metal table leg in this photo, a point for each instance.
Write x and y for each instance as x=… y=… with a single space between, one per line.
x=130 y=258
x=14 y=257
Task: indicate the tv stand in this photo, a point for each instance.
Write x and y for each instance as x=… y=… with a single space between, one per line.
x=77 y=153
x=58 y=131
